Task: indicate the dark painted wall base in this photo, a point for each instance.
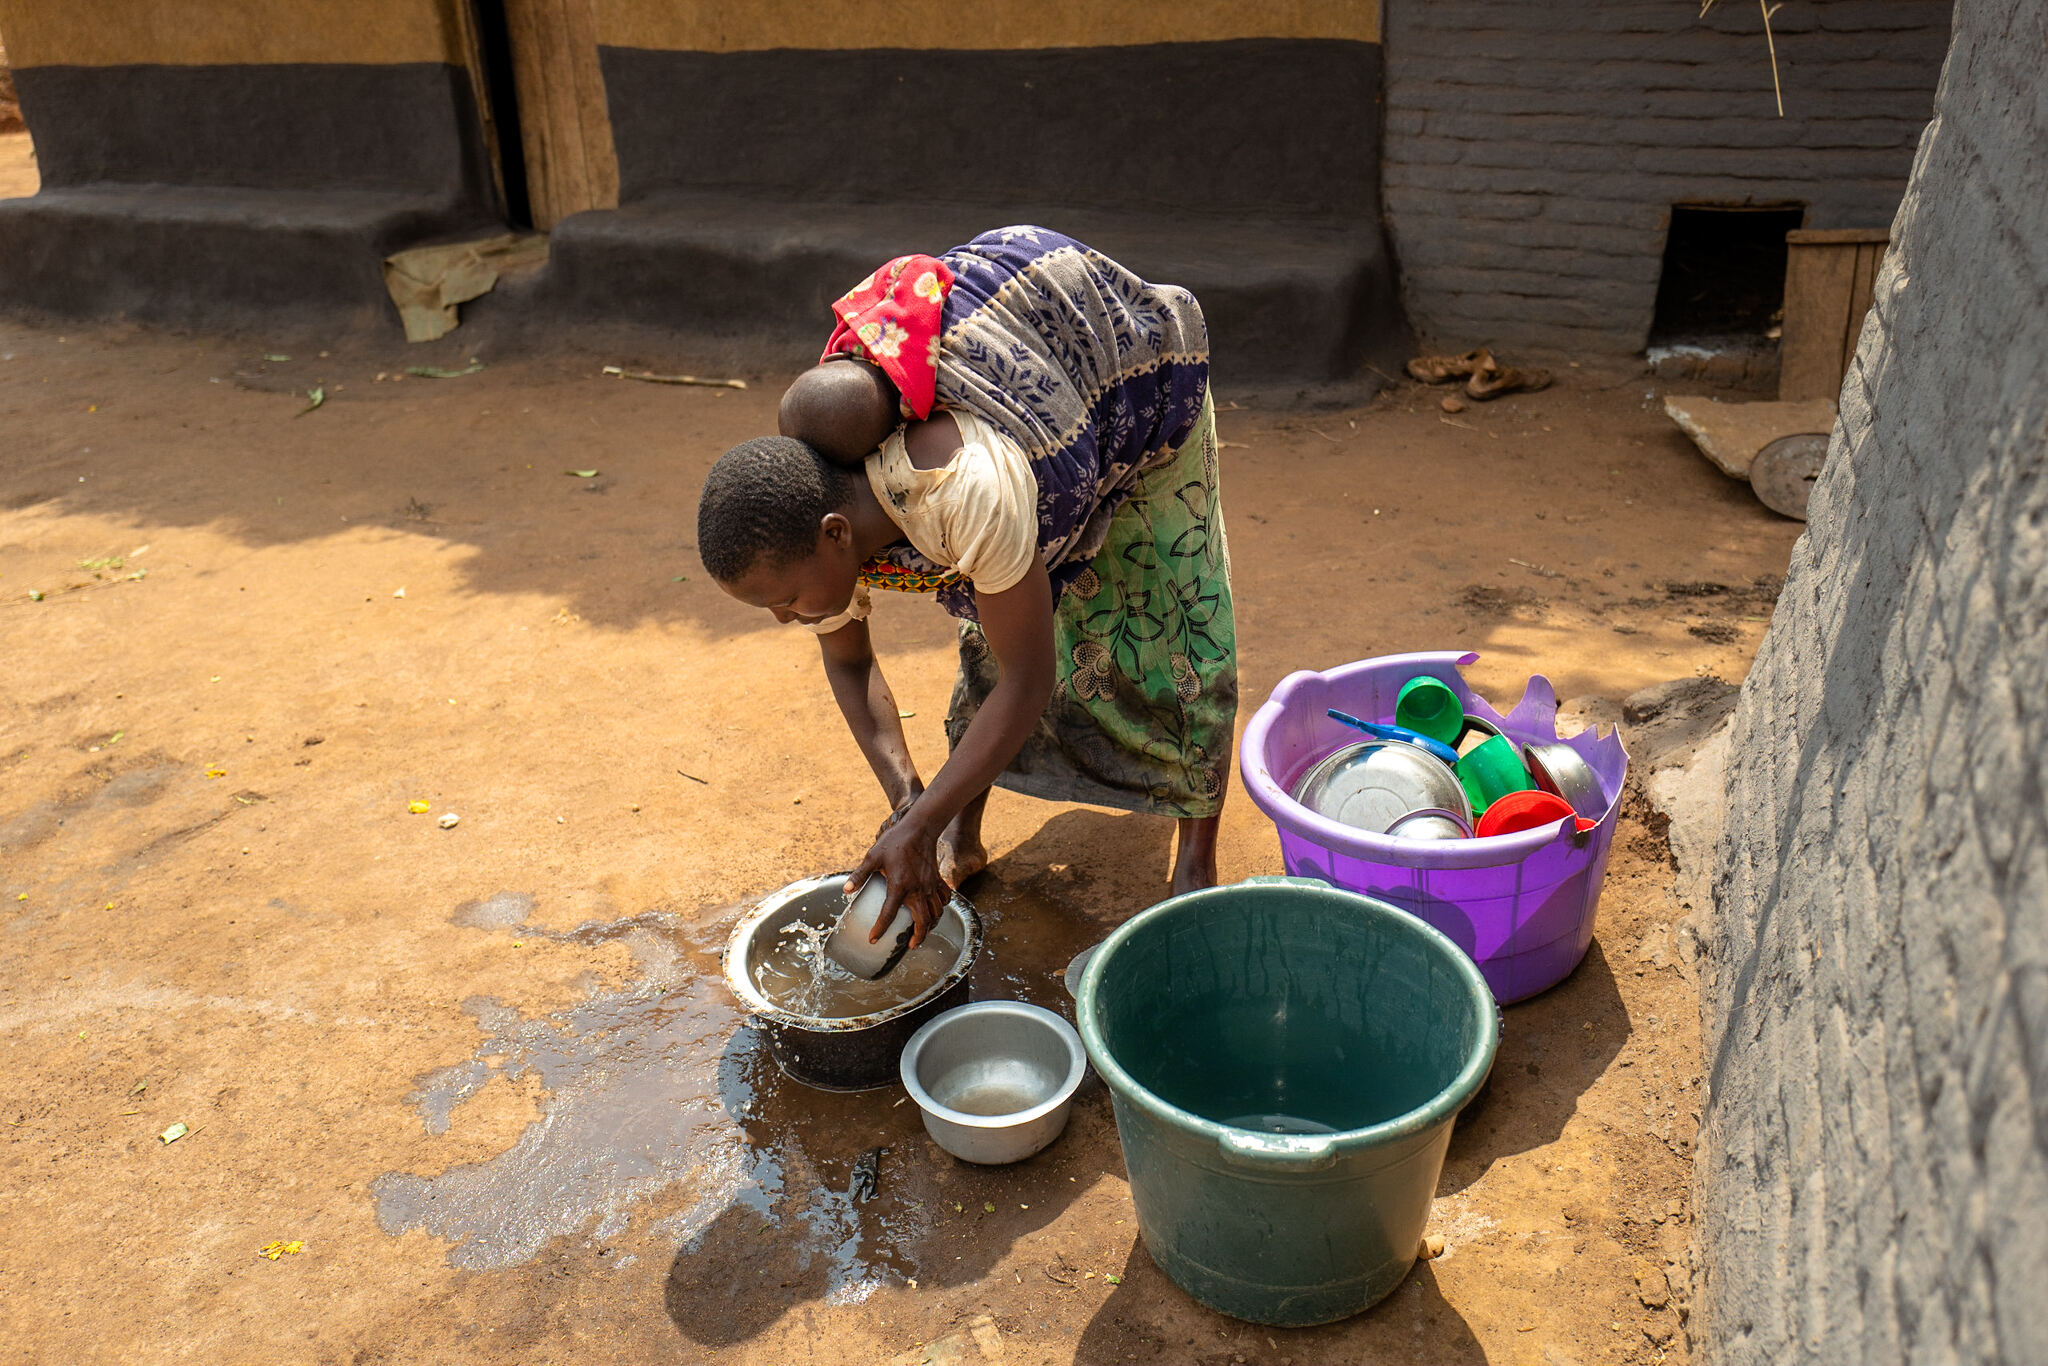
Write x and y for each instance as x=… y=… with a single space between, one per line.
x=402 y=127
x=1270 y=127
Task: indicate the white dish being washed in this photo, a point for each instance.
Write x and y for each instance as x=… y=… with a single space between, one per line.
x=995 y=1079
x=848 y=944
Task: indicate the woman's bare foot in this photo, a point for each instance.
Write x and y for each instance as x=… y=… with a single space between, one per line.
x=961 y=852
x=1194 y=863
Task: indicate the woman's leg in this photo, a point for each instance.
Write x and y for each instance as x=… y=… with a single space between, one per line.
x=961 y=852
x=1194 y=861
x=1146 y=638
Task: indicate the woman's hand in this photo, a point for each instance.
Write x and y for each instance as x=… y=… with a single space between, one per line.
x=907 y=857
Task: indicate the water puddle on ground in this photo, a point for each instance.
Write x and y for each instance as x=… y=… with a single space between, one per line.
x=665 y=1126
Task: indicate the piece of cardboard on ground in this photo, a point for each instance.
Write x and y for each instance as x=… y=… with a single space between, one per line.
x=428 y=282
x=1731 y=434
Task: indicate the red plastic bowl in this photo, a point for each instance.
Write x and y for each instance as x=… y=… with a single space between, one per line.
x=1526 y=811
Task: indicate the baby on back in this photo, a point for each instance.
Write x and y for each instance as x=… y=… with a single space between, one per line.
x=843 y=409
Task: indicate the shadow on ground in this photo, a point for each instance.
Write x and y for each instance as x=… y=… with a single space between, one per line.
x=1149 y=1318
x=1553 y=1047
x=166 y=431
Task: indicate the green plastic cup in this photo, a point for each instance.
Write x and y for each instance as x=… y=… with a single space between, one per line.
x=1492 y=771
x=1428 y=706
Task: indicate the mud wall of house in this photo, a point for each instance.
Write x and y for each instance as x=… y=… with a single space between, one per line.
x=1193 y=109
x=260 y=94
x=1533 y=152
x=1874 y=1152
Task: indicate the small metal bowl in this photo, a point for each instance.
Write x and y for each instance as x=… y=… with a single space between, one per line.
x=1432 y=823
x=1372 y=785
x=995 y=1079
x=1559 y=769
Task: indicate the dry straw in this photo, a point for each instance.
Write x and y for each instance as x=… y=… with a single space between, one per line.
x=1770 y=41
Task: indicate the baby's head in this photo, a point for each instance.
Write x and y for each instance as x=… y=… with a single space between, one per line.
x=773 y=529
x=842 y=409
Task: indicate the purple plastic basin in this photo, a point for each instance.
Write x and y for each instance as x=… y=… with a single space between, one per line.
x=1521 y=905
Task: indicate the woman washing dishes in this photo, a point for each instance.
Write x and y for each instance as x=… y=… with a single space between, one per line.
x=1021 y=427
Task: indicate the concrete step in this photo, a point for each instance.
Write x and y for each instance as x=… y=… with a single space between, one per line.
x=753 y=280
x=213 y=257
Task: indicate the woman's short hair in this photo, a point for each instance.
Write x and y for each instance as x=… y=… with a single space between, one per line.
x=763 y=500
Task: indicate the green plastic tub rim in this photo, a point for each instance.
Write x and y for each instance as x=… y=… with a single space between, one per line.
x=1295 y=1152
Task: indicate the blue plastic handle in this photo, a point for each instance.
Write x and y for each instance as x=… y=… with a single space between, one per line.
x=1436 y=748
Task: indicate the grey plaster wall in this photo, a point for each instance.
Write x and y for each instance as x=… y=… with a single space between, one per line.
x=1533 y=151
x=1873 y=1160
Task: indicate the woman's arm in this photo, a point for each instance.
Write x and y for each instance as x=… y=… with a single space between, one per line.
x=1018 y=625
x=870 y=710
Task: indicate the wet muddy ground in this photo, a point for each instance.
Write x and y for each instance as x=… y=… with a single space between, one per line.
x=486 y=1078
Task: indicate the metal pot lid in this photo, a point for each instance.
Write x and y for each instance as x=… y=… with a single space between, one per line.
x=1783 y=472
x=1372 y=785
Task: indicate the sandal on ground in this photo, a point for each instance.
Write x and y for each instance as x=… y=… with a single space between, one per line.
x=1491 y=381
x=1442 y=369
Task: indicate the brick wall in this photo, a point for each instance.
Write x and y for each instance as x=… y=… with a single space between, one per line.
x=1533 y=150
x=1874 y=1155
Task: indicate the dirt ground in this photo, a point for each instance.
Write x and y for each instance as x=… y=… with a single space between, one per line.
x=484 y=1079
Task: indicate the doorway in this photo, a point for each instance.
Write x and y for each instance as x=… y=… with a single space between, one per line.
x=1724 y=273
x=534 y=66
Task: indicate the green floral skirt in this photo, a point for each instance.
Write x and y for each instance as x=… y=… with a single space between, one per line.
x=1143 y=715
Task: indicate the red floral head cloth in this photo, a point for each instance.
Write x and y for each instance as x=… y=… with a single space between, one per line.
x=894 y=318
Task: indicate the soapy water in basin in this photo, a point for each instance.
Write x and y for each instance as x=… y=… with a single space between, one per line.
x=795 y=973
x=995 y=1098
x=995 y=1086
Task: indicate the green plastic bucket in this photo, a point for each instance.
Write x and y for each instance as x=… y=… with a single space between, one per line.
x=1285 y=1059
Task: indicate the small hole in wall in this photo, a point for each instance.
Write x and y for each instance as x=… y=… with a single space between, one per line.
x=1724 y=271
